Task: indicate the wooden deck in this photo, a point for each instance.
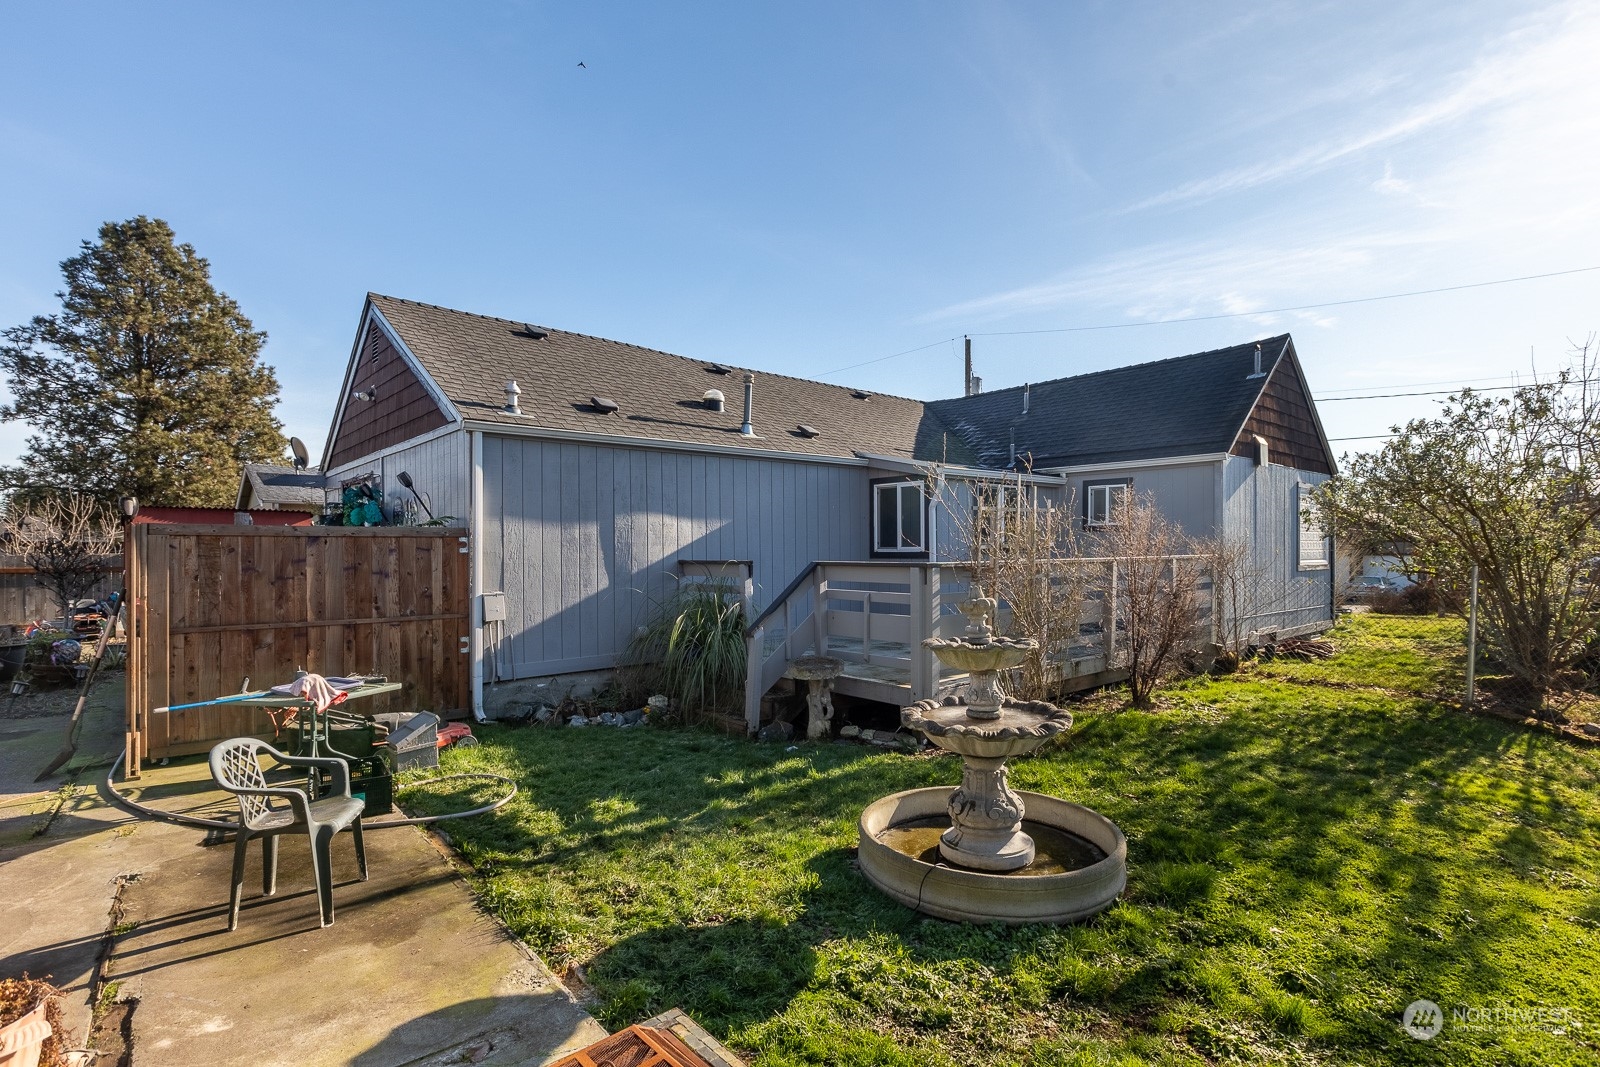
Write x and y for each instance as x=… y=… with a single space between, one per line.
x=875 y=616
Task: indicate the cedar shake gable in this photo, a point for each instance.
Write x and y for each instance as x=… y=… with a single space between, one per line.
x=1286 y=418
x=403 y=407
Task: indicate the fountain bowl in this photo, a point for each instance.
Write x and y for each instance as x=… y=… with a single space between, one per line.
x=1015 y=728
x=965 y=895
x=987 y=654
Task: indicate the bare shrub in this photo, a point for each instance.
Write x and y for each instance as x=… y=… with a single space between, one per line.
x=70 y=541
x=1157 y=572
x=1021 y=550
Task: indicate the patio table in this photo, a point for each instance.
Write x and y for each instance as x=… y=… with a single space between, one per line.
x=299 y=706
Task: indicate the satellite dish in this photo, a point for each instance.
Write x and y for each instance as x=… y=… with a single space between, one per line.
x=302 y=458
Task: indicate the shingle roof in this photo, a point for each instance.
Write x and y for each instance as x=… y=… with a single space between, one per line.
x=285 y=486
x=658 y=395
x=1184 y=406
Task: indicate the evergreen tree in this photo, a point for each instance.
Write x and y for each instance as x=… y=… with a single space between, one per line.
x=147 y=383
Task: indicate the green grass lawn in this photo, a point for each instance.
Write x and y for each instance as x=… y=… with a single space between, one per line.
x=1311 y=848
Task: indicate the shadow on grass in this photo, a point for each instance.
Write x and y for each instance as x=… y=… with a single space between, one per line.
x=1305 y=873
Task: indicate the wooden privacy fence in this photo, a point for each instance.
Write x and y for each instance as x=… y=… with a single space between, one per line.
x=214 y=606
x=23 y=599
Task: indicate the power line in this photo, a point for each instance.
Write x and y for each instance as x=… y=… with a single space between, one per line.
x=1364 y=437
x=1420 y=385
x=880 y=359
x=1224 y=315
x=1452 y=392
x=1431 y=392
x=1298 y=307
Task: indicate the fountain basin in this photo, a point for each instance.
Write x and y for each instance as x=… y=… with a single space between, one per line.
x=965 y=895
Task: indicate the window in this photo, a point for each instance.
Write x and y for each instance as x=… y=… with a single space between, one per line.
x=897 y=517
x=1313 y=540
x=1104 y=502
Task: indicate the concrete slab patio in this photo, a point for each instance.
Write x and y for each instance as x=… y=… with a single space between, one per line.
x=411 y=973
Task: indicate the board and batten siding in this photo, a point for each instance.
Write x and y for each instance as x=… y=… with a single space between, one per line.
x=954 y=515
x=1186 y=495
x=584 y=539
x=440 y=468
x=1261 y=508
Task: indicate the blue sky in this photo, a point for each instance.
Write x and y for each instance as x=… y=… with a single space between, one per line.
x=806 y=188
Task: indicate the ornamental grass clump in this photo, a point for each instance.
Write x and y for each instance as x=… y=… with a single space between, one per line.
x=693 y=650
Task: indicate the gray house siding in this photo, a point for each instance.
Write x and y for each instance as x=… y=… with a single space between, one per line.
x=1186 y=495
x=439 y=469
x=954 y=513
x=584 y=539
x=1261 y=510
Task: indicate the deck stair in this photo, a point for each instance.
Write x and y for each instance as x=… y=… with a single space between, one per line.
x=875 y=616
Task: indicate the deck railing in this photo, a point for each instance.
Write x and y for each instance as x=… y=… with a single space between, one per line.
x=875 y=616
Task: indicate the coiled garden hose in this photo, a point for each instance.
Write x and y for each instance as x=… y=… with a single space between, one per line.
x=221 y=824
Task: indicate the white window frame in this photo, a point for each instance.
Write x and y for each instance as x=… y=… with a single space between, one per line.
x=878 y=489
x=1311 y=549
x=1105 y=492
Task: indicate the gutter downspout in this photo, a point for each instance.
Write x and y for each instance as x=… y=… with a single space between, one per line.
x=475 y=583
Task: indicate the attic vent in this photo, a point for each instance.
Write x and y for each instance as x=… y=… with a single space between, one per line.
x=861 y=394
x=714 y=400
x=807 y=431
x=717 y=368
x=604 y=405
x=534 y=332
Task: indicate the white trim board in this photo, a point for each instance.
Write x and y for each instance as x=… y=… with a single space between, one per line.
x=951 y=470
x=1138 y=464
x=389 y=450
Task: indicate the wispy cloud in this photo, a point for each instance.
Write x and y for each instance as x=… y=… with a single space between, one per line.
x=1511 y=187
x=1389 y=184
x=1496 y=78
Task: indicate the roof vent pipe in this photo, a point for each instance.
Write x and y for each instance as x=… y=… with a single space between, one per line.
x=749 y=402
x=512 y=392
x=1258 y=371
x=1027 y=392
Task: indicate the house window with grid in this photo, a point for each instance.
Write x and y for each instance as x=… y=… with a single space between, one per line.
x=1313 y=538
x=1103 y=503
x=898 y=519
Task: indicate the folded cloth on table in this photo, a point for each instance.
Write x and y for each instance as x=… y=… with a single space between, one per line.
x=323 y=692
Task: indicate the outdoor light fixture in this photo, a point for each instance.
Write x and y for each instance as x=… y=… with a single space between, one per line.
x=370 y=393
x=130 y=508
x=405 y=479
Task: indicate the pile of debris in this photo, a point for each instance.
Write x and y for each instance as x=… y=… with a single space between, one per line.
x=574 y=712
x=1298 y=648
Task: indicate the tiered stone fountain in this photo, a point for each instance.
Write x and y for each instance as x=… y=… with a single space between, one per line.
x=987 y=852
